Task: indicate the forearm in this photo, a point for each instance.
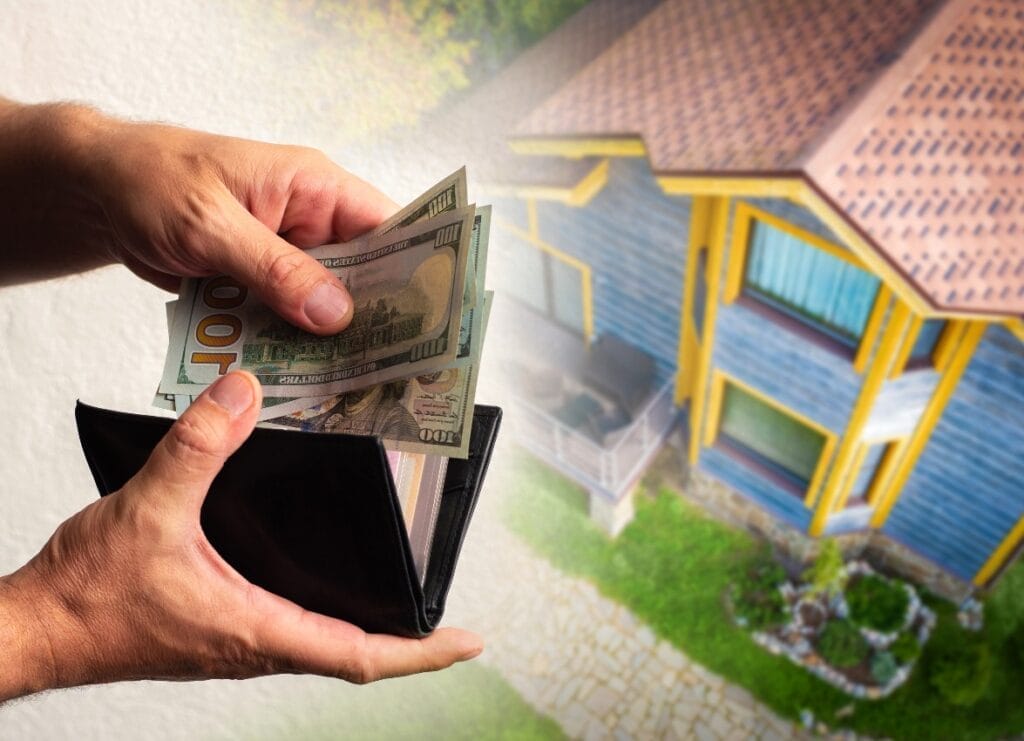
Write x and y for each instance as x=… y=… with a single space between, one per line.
x=50 y=221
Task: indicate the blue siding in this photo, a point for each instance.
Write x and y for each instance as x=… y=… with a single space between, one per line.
x=768 y=495
x=797 y=215
x=634 y=238
x=802 y=375
x=967 y=490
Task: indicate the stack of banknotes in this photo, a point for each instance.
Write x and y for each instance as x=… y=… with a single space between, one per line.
x=405 y=369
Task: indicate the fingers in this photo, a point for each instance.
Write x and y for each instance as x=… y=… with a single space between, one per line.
x=308 y=642
x=292 y=283
x=359 y=207
x=188 y=458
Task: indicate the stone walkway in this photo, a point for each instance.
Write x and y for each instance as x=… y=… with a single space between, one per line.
x=583 y=659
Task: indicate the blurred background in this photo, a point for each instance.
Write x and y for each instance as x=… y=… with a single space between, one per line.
x=723 y=506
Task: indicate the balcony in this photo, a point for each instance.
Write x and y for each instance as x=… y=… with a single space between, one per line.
x=597 y=412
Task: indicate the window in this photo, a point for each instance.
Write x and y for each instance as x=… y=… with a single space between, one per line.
x=551 y=284
x=926 y=342
x=817 y=288
x=866 y=475
x=769 y=438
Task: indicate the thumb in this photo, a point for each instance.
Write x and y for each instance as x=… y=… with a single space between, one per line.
x=191 y=454
x=289 y=281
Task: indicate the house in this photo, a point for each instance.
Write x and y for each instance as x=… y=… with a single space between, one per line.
x=792 y=230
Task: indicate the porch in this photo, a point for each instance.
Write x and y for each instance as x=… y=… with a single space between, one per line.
x=596 y=413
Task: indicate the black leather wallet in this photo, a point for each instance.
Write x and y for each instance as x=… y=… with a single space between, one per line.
x=315 y=517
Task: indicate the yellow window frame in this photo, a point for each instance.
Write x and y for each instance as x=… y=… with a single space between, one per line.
x=532 y=237
x=714 y=416
x=743 y=220
x=944 y=347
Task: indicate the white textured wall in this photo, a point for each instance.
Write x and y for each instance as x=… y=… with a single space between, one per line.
x=100 y=337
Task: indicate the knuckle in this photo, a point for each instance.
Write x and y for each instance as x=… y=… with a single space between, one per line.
x=192 y=437
x=283 y=271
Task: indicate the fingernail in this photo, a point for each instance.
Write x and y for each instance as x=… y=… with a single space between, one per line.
x=232 y=392
x=327 y=304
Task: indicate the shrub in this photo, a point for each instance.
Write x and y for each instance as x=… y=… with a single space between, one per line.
x=883 y=666
x=826 y=575
x=905 y=648
x=877 y=603
x=757 y=596
x=841 y=644
x=961 y=669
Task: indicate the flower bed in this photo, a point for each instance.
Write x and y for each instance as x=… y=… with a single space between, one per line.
x=862 y=637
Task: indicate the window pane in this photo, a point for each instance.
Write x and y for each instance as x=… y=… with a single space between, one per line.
x=819 y=288
x=567 y=294
x=772 y=434
x=928 y=338
x=866 y=474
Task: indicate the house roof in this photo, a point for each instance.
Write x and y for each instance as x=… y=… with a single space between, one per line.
x=907 y=115
x=930 y=164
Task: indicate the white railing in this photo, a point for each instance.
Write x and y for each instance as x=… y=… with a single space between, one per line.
x=610 y=468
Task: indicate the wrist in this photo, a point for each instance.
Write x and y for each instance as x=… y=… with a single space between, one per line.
x=25 y=648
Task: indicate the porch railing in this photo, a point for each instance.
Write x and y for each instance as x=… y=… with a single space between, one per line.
x=610 y=469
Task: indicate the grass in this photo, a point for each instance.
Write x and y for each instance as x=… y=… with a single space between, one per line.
x=671 y=567
x=468 y=701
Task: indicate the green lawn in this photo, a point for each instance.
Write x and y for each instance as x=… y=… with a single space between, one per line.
x=468 y=701
x=671 y=566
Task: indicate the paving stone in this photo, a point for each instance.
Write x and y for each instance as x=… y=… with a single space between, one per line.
x=703 y=733
x=720 y=725
x=602 y=701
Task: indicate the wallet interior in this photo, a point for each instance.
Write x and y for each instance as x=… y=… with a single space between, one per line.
x=314 y=517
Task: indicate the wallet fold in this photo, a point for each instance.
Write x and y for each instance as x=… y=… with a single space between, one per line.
x=314 y=517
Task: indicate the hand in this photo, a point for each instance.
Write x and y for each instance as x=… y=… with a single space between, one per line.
x=81 y=189
x=130 y=588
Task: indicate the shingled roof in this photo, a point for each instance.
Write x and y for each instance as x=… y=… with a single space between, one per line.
x=907 y=115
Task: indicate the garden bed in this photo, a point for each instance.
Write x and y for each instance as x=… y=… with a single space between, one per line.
x=862 y=634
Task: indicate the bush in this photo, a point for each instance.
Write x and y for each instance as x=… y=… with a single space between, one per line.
x=826 y=575
x=883 y=667
x=877 y=603
x=905 y=648
x=757 y=596
x=961 y=669
x=841 y=644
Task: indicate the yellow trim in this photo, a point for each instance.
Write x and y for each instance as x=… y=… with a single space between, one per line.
x=741 y=223
x=718 y=226
x=689 y=346
x=929 y=418
x=679 y=185
x=532 y=225
x=744 y=215
x=577 y=195
x=886 y=467
x=715 y=420
x=947 y=344
x=874 y=325
x=909 y=340
x=1017 y=327
x=1001 y=554
x=576 y=148
x=861 y=412
x=586 y=277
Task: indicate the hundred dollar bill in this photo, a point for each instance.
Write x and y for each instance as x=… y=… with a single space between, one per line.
x=428 y=413
x=272 y=407
x=470 y=325
x=407 y=286
x=447 y=195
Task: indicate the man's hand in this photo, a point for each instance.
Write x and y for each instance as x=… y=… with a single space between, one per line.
x=129 y=588
x=79 y=189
